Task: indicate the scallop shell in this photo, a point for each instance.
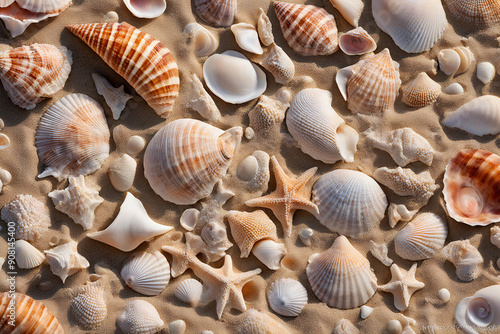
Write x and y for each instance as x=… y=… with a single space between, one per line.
x=122 y=172
x=269 y=252
x=350 y=202
x=217 y=12
x=31 y=316
x=146 y=273
x=46 y=6
x=421 y=91
x=465 y=257
x=279 y=64
x=72 y=137
x=265 y=28
x=115 y=98
x=140 y=317
x=202 y=102
x=287 y=297
x=341 y=276
x=247 y=37
x=482 y=310
x=148 y=9
x=357 y=42
x=479 y=13
x=422 y=237
x=205 y=43
x=64 y=260
x=472 y=187
x=449 y=61
x=308 y=30
x=186 y=158
x=146 y=64
x=485 y=72
x=466 y=58
x=350 y=9
x=370 y=86
x=27 y=256
x=31 y=73
x=189 y=291
x=253 y=322
x=88 y=304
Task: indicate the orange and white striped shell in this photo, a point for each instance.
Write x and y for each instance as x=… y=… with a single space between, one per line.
x=217 y=12
x=31 y=316
x=31 y=73
x=187 y=157
x=478 y=12
x=44 y=6
x=308 y=30
x=146 y=64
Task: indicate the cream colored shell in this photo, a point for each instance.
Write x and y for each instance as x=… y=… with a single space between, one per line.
x=466 y=58
x=64 y=260
x=265 y=28
x=247 y=37
x=268 y=114
x=115 y=98
x=466 y=258
x=269 y=252
x=146 y=273
x=205 y=43
x=122 y=172
x=146 y=8
x=189 y=291
x=421 y=91
x=253 y=321
x=202 y=102
x=139 y=316
x=350 y=9
x=279 y=64
x=88 y=304
x=27 y=256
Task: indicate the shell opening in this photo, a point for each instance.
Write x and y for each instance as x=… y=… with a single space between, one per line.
x=469 y=202
x=479 y=312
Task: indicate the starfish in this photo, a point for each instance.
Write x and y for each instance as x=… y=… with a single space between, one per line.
x=291 y=194
x=402 y=285
x=184 y=256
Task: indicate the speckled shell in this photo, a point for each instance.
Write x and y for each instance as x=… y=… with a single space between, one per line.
x=308 y=30
x=341 y=276
x=287 y=297
x=146 y=64
x=357 y=42
x=146 y=273
x=27 y=256
x=44 y=6
x=187 y=157
x=88 y=304
x=466 y=258
x=217 y=12
x=421 y=91
x=472 y=187
x=31 y=73
x=477 y=12
x=140 y=317
x=31 y=316
x=72 y=137
x=189 y=291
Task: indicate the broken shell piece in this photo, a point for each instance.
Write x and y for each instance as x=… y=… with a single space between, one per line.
x=64 y=260
x=265 y=29
x=189 y=291
x=247 y=37
x=380 y=253
x=454 y=89
x=88 y=304
x=449 y=61
x=466 y=259
x=394 y=327
x=466 y=58
x=444 y=295
x=135 y=145
x=139 y=316
x=305 y=236
x=399 y=212
x=189 y=218
x=146 y=273
x=350 y=9
x=357 y=42
x=254 y=171
x=485 y=72
x=202 y=102
x=270 y=253
x=122 y=172
x=27 y=256
x=4 y=141
x=495 y=236
x=205 y=43
x=279 y=64
x=421 y=91
x=177 y=327
x=217 y=12
x=481 y=311
x=365 y=311
x=147 y=9
x=266 y=117
x=287 y=297
x=115 y=98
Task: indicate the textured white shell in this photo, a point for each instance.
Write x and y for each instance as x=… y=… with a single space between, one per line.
x=279 y=64
x=380 y=252
x=479 y=311
x=189 y=291
x=140 y=317
x=247 y=37
x=27 y=256
x=122 y=172
x=146 y=273
x=146 y=8
x=485 y=72
x=88 y=305
x=465 y=257
x=421 y=91
x=350 y=9
x=357 y=42
x=319 y=130
x=287 y=297
x=350 y=202
x=269 y=252
x=449 y=61
x=205 y=43
x=265 y=28
x=115 y=98
x=64 y=260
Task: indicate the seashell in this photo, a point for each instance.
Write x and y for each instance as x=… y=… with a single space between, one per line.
x=482 y=310
x=51 y=6
x=350 y=202
x=189 y=219
x=156 y=80
x=140 y=317
x=479 y=13
x=247 y=37
x=122 y=172
x=370 y=86
x=249 y=133
x=5 y=176
x=444 y=295
x=115 y=98
x=454 y=89
x=64 y=260
x=135 y=145
x=253 y=321
x=266 y=117
x=479 y=117
x=357 y=42
x=350 y=9
x=466 y=58
x=111 y=16
x=189 y=291
x=220 y=13
x=146 y=273
x=465 y=257
x=27 y=256
x=78 y=201
x=205 y=43
x=4 y=141
x=131 y=227
x=394 y=326
x=31 y=73
x=30 y=215
x=146 y=9
x=485 y=72
x=421 y=91
x=399 y=212
x=233 y=78
x=202 y=102
x=422 y=237
x=472 y=187
x=308 y=30
x=72 y=137
x=186 y=158
x=333 y=274
x=305 y=236
x=177 y=327
x=265 y=28
x=6 y=3
x=365 y=311
x=449 y=61
x=88 y=304
x=319 y=130
x=495 y=236
x=269 y=252
x=380 y=252
x=254 y=171
x=404 y=145
x=31 y=316
x=287 y=297
x=415 y=26
x=279 y=64
x=344 y=326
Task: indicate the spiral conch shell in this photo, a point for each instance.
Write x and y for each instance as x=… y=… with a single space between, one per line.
x=146 y=64
x=479 y=311
x=186 y=158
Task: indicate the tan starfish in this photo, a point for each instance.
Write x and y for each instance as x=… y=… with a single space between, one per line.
x=402 y=285
x=291 y=194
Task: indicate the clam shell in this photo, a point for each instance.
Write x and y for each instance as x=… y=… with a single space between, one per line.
x=45 y=6
x=479 y=13
x=265 y=28
x=146 y=273
x=269 y=252
x=122 y=172
x=308 y=30
x=287 y=297
x=357 y=42
x=4 y=141
x=146 y=8
x=189 y=291
x=115 y=98
x=485 y=72
x=205 y=43
x=217 y=12
x=350 y=9
x=466 y=58
x=482 y=310
x=421 y=91
x=454 y=89
x=27 y=256
x=64 y=260
x=88 y=304
x=186 y=158
x=139 y=316
x=72 y=137
x=350 y=202
x=449 y=61
x=146 y=64
x=279 y=64
x=341 y=276
x=466 y=258
x=247 y=37
x=253 y=321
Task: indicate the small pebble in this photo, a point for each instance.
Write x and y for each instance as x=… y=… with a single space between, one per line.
x=177 y=327
x=249 y=133
x=454 y=89
x=365 y=311
x=122 y=172
x=111 y=16
x=135 y=145
x=444 y=295
x=305 y=236
x=394 y=327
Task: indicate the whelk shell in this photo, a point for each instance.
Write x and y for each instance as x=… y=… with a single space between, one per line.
x=247 y=37
x=146 y=273
x=479 y=13
x=287 y=297
x=265 y=28
x=357 y=42
x=27 y=256
x=64 y=260
x=421 y=91
x=141 y=317
x=482 y=310
x=279 y=64
x=217 y=12
x=466 y=259
x=350 y=9
x=88 y=304
x=146 y=8
x=189 y=291
x=205 y=43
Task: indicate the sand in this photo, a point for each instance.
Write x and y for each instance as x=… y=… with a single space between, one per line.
x=21 y=160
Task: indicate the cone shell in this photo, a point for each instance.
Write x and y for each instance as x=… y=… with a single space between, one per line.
x=88 y=304
x=44 y=6
x=140 y=316
x=472 y=187
x=349 y=202
x=27 y=256
x=146 y=273
x=220 y=13
x=189 y=291
x=308 y=30
x=146 y=64
x=477 y=12
x=341 y=276
x=422 y=237
x=31 y=316
x=287 y=297
x=357 y=42
x=421 y=91
x=31 y=73
x=350 y=9
x=187 y=157
x=72 y=137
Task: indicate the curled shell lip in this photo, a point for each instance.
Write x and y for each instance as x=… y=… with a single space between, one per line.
x=480 y=310
x=357 y=42
x=247 y=37
x=146 y=8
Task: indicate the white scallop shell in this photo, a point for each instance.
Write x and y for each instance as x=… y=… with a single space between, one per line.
x=202 y=102
x=27 y=256
x=146 y=273
x=265 y=28
x=350 y=9
x=482 y=310
x=189 y=291
x=421 y=91
x=88 y=304
x=146 y=8
x=350 y=202
x=4 y=141
x=122 y=172
x=449 y=61
x=279 y=64
x=466 y=58
x=189 y=219
x=269 y=252
x=454 y=89
x=287 y=297
x=205 y=43
x=140 y=317
x=465 y=257
x=485 y=72
x=64 y=260
x=357 y=42
x=115 y=98
x=319 y=130
x=247 y=37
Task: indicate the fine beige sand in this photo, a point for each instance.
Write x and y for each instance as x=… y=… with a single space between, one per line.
x=432 y=315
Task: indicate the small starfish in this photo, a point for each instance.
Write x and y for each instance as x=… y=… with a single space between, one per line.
x=402 y=285
x=291 y=194
x=184 y=256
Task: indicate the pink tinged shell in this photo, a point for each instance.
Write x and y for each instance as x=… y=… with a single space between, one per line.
x=44 y=6
x=357 y=42
x=72 y=137
x=31 y=73
x=480 y=311
x=308 y=30
x=220 y=13
x=477 y=12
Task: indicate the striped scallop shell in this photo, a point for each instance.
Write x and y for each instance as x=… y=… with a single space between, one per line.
x=186 y=158
x=220 y=13
x=341 y=276
x=422 y=237
x=31 y=316
x=308 y=30
x=350 y=202
x=27 y=256
x=88 y=304
x=421 y=91
x=31 y=73
x=189 y=291
x=146 y=273
x=44 y=6
x=72 y=137
x=140 y=317
x=146 y=64
x=472 y=187
x=287 y=297
x=478 y=12
x=357 y=42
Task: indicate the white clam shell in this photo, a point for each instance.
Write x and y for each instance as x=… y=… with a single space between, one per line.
x=485 y=72
x=247 y=37
x=205 y=43
x=479 y=311
x=88 y=304
x=465 y=257
x=189 y=219
x=27 y=256
x=146 y=8
x=247 y=169
x=116 y=98
x=357 y=42
x=269 y=252
x=177 y=327
x=122 y=172
x=265 y=28
x=466 y=58
x=454 y=89
x=287 y=297
x=146 y=273
x=189 y=291
x=140 y=317
x=4 y=141
x=449 y=61
x=64 y=260
x=135 y=145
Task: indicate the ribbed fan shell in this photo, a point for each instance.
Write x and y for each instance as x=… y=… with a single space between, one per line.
x=146 y=273
x=6 y=3
x=478 y=12
x=88 y=305
x=217 y=12
x=350 y=9
x=287 y=297
x=141 y=317
x=44 y=6
x=421 y=91
x=27 y=256
x=255 y=322
x=357 y=42
x=189 y=291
